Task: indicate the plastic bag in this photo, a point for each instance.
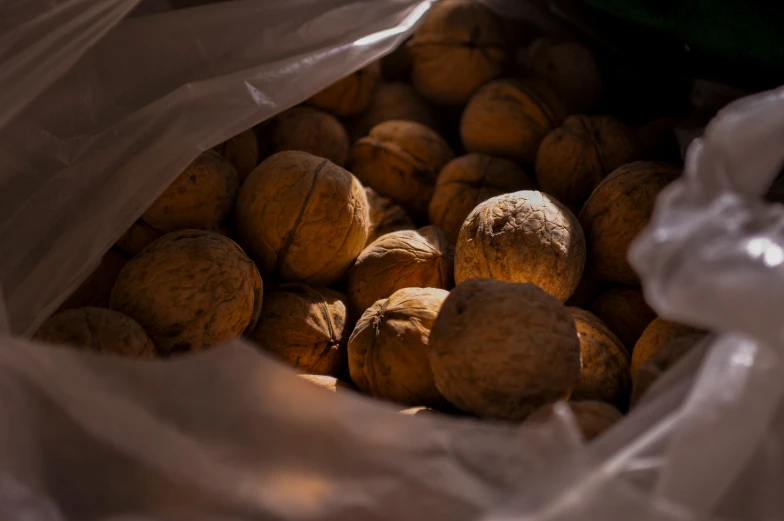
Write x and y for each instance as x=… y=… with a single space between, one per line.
x=89 y=139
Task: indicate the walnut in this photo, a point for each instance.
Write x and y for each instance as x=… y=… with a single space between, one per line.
x=669 y=355
x=350 y=95
x=97 y=329
x=617 y=211
x=96 y=288
x=604 y=375
x=242 y=151
x=385 y=216
x=393 y=102
x=576 y=156
x=501 y=349
x=401 y=160
x=303 y=218
x=508 y=118
x=459 y=47
x=593 y=417
x=403 y=259
x=522 y=237
x=304 y=327
x=657 y=335
x=308 y=130
x=387 y=352
x=625 y=312
x=190 y=290
x=467 y=181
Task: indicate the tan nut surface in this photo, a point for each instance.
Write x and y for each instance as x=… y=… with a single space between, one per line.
x=576 y=156
x=242 y=151
x=304 y=327
x=656 y=336
x=309 y=130
x=625 y=312
x=387 y=352
x=349 y=95
x=617 y=211
x=303 y=218
x=403 y=259
x=329 y=383
x=467 y=181
x=508 y=118
x=525 y=236
x=604 y=374
x=97 y=329
x=593 y=417
x=650 y=371
x=394 y=101
x=190 y=290
x=401 y=160
x=385 y=216
x=458 y=48
x=501 y=349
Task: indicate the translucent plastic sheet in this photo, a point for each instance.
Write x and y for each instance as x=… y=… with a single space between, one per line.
x=96 y=118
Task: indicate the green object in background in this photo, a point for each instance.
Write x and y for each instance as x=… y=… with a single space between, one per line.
x=738 y=31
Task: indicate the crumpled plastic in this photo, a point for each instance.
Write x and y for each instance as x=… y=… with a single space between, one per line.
x=99 y=112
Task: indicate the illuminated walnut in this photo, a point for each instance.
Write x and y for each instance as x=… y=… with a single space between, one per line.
x=658 y=334
x=385 y=216
x=351 y=94
x=308 y=130
x=593 y=418
x=669 y=355
x=625 y=312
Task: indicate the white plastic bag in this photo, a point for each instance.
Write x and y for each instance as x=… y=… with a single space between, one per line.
x=96 y=119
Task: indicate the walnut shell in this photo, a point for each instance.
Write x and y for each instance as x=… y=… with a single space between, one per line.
x=508 y=118
x=571 y=69
x=501 y=349
x=329 y=383
x=137 y=237
x=650 y=371
x=308 y=130
x=97 y=329
x=593 y=417
x=401 y=160
x=576 y=156
x=350 y=95
x=96 y=288
x=617 y=211
x=303 y=218
x=190 y=290
x=242 y=151
x=403 y=259
x=467 y=181
x=625 y=312
x=522 y=237
x=658 y=334
x=387 y=352
x=305 y=328
x=394 y=102
x=385 y=216
x=604 y=374
x=459 y=47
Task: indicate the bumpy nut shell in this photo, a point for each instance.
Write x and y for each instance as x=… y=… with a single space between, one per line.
x=97 y=329
x=666 y=358
x=401 y=160
x=303 y=218
x=308 y=130
x=387 y=352
x=304 y=327
x=593 y=417
x=604 y=375
x=459 y=47
x=501 y=349
x=242 y=151
x=350 y=95
x=576 y=156
x=403 y=259
x=467 y=181
x=393 y=101
x=658 y=334
x=329 y=383
x=617 y=211
x=510 y=119
x=571 y=69
x=96 y=288
x=385 y=216
x=522 y=237
x=625 y=312
x=190 y=290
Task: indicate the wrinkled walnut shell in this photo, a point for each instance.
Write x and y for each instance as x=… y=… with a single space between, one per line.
x=593 y=417
x=303 y=218
x=308 y=130
x=190 y=290
x=305 y=328
x=625 y=312
x=385 y=216
x=522 y=237
x=387 y=352
x=501 y=349
x=350 y=95
x=467 y=181
x=656 y=336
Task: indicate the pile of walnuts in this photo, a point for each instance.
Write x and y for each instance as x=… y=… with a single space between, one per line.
x=369 y=238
